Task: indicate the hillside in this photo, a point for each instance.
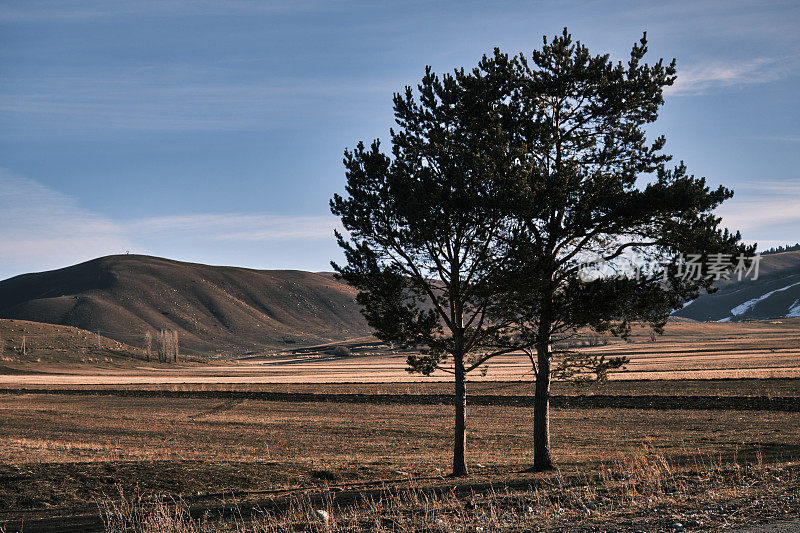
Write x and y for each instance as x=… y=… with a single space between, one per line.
x=23 y=342
x=214 y=309
x=238 y=310
x=776 y=293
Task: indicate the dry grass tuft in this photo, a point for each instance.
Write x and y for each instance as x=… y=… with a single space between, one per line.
x=137 y=515
x=634 y=489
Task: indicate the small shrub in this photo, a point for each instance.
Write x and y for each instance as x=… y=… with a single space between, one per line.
x=325 y=475
x=340 y=351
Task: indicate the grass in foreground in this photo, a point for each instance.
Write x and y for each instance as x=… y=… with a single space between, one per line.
x=382 y=466
x=641 y=490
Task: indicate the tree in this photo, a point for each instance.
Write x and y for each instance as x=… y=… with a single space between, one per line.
x=428 y=228
x=596 y=202
x=519 y=204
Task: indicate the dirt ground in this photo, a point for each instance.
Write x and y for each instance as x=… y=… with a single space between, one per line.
x=205 y=433
x=61 y=453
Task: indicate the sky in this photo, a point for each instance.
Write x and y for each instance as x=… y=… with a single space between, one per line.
x=213 y=131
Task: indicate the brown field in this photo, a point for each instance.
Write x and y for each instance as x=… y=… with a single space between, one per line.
x=176 y=435
x=688 y=351
x=46 y=428
x=740 y=388
x=62 y=454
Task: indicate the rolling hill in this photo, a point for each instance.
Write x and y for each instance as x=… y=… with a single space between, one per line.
x=213 y=308
x=238 y=310
x=775 y=294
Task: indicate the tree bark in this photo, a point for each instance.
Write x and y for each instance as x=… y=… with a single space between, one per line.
x=460 y=443
x=542 y=460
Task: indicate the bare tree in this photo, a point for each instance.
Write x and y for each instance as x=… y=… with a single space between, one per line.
x=148 y=344
x=174 y=346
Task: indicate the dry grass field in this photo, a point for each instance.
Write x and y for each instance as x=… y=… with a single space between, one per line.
x=739 y=388
x=65 y=454
x=702 y=430
x=688 y=351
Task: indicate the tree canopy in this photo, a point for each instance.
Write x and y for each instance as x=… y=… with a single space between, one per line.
x=522 y=201
x=428 y=228
x=602 y=223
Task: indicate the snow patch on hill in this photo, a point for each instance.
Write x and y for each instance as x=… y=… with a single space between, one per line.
x=743 y=308
x=684 y=306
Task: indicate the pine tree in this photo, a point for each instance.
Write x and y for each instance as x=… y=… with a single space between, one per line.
x=427 y=231
x=597 y=190
x=472 y=238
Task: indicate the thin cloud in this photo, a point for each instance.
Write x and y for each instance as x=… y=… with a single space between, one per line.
x=45 y=229
x=750 y=215
x=241 y=228
x=769 y=187
x=778 y=138
x=166 y=99
x=703 y=77
x=38 y=10
x=764 y=211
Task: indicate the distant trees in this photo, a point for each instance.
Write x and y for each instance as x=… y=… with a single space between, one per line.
x=523 y=202
x=781 y=249
x=166 y=344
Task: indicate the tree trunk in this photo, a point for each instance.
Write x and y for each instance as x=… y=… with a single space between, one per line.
x=542 y=459
x=459 y=463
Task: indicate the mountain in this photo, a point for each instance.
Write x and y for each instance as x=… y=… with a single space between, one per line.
x=775 y=294
x=213 y=308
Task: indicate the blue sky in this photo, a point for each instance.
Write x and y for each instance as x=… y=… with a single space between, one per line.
x=213 y=131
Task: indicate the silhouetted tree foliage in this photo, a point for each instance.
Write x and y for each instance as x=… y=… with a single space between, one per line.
x=472 y=238
x=428 y=228
x=597 y=190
